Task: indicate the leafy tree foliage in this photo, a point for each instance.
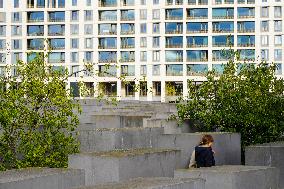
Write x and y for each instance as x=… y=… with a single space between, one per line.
x=37 y=116
x=247 y=99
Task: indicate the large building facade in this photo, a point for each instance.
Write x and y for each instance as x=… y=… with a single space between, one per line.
x=158 y=45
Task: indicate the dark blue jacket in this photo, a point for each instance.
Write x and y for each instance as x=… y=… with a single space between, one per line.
x=204 y=156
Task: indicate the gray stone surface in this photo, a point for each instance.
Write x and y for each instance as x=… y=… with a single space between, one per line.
x=120 y=165
x=226 y=145
x=170 y=126
x=41 y=178
x=153 y=183
x=121 y=138
x=111 y=121
x=269 y=154
x=234 y=177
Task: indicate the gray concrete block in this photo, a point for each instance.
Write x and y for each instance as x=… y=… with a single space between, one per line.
x=153 y=183
x=118 y=138
x=111 y=121
x=121 y=165
x=234 y=177
x=269 y=154
x=226 y=145
x=42 y=178
x=170 y=126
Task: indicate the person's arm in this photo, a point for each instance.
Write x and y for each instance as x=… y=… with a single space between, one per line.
x=192 y=162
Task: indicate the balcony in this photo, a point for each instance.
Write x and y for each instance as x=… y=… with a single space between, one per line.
x=246 y=41
x=107 y=29
x=244 y=12
x=107 y=3
x=56 y=16
x=35 y=44
x=107 y=43
x=107 y=71
x=173 y=28
x=127 y=56
x=127 y=15
x=197 y=56
x=56 y=30
x=196 y=69
x=228 y=1
x=174 y=70
x=197 y=27
x=107 y=57
x=197 y=14
x=223 y=27
x=127 y=29
x=202 y=2
x=174 y=56
x=174 y=14
x=223 y=41
x=174 y=42
x=108 y=15
x=222 y=55
x=57 y=44
x=35 y=30
x=35 y=16
x=223 y=13
x=127 y=2
x=197 y=41
x=247 y=54
x=246 y=27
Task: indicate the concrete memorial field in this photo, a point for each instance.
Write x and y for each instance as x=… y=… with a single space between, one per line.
x=134 y=145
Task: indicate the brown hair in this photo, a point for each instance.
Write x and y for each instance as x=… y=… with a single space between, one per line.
x=206 y=139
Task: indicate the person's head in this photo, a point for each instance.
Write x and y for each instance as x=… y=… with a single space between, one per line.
x=206 y=140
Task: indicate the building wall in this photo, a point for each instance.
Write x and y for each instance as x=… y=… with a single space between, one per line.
x=172 y=51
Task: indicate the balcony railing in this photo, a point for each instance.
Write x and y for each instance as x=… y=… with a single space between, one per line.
x=196 y=45
x=57 y=47
x=223 y=30
x=129 y=32
x=224 y=17
x=36 y=34
x=126 y=46
x=197 y=59
x=219 y=59
x=127 y=60
x=173 y=18
x=56 y=20
x=246 y=45
x=35 y=48
x=174 y=60
x=197 y=31
x=56 y=60
x=107 y=18
x=196 y=17
x=174 y=32
x=246 y=30
x=228 y=2
x=127 y=19
x=108 y=61
x=56 y=33
x=246 y=16
x=106 y=47
x=222 y=44
x=35 y=20
x=108 y=33
x=173 y=45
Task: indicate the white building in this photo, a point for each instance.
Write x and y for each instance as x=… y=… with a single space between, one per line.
x=158 y=44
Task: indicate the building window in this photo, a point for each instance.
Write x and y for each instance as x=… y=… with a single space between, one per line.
x=74 y=15
x=278 y=40
x=264 y=12
x=16 y=3
x=265 y=26
x=74 y=2
x=264 y=40
x=143 y=28
x=156 y=14
x=74 y=29
x=16 y=17
x=277 y=12
x=156 y=56
x=264 y=54
x=88 y=43
x=156 y=2
x=88 y=15
x=143 y=14
x=143 y=56
x=143 y=70
x=156 y=70
x=278 y=25
x=74 y=57
x=88 y=29
x=1 y=4
x=278 y=54
x=16 y=30
x=156 y=42
x=143 y=42
x=75 y=43
x=88 y=2
x=156 y=28
x=16 y=44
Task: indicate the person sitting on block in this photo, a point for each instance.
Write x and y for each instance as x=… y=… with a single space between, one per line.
x=203 y=155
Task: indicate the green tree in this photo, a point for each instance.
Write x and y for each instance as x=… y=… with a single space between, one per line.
x=246 y=98
x=37 y=116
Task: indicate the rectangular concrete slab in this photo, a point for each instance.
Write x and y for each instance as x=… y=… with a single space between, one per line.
x=121 y=165
x=269 y=154
x=234 y=177
x=226 y=145
x=118 y=138
x=42 y=178
x=153 y=183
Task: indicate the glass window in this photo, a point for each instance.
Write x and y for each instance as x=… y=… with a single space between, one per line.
x=74 y=29
x=143 y=14
x=88 y=29
x=88 y=15
x=74 y=15
x=16 y=3
x=265 y=26
x=264 y=54
x=278 y=54
x=156 y=42
x=278 y=40
x=74 y=2
x=156 y=70
x=156 y=27
x=278 y=25
x=143 y=42
x=155 y=2
x=88 y=2
x=143 y=28
x=74 y=56
x=264 y=12
x=277 y=12
x=74 y=43
x=143 y=70
x=143 y=56
x=156 y=56
x=264 y=40
x=156 y=14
